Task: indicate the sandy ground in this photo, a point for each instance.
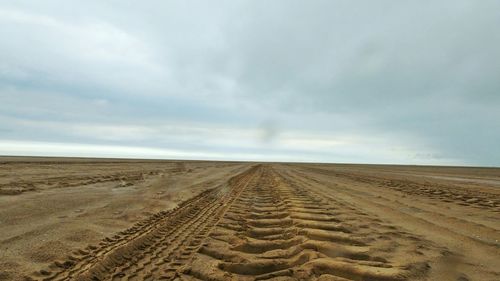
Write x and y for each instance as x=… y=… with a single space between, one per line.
x=92 y=219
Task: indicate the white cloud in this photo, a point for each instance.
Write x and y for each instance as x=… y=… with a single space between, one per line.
x=89 y=53
x=407 y=82
x=25 y=148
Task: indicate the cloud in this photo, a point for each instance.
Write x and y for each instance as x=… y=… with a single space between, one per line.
x=392 y=82
x=73 y=56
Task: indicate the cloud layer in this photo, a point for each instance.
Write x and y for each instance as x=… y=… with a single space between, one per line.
x=332 y=81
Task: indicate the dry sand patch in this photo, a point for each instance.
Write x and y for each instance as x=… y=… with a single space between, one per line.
x=249 y=221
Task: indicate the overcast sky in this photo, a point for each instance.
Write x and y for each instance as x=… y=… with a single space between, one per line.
x=413 y=82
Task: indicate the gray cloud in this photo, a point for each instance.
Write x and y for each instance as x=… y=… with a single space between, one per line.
x=338 y=81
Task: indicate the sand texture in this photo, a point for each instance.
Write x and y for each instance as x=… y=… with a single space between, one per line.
x=93 y=219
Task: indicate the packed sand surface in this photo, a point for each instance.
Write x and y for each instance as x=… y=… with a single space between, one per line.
x=94 y=219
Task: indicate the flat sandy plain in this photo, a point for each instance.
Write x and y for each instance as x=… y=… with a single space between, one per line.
x=95 y=219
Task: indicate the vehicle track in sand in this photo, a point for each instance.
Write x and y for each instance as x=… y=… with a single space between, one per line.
x=278 y=230
x=155 y=248
x=432 y=190
x=265 y=224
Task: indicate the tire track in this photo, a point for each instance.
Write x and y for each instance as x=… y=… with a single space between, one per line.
x=466 y=263
x=442 y=192
x=278 y=229
x=155 y=248
x=441 y=221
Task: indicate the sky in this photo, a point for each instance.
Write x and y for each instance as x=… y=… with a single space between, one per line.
x=405 y=82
